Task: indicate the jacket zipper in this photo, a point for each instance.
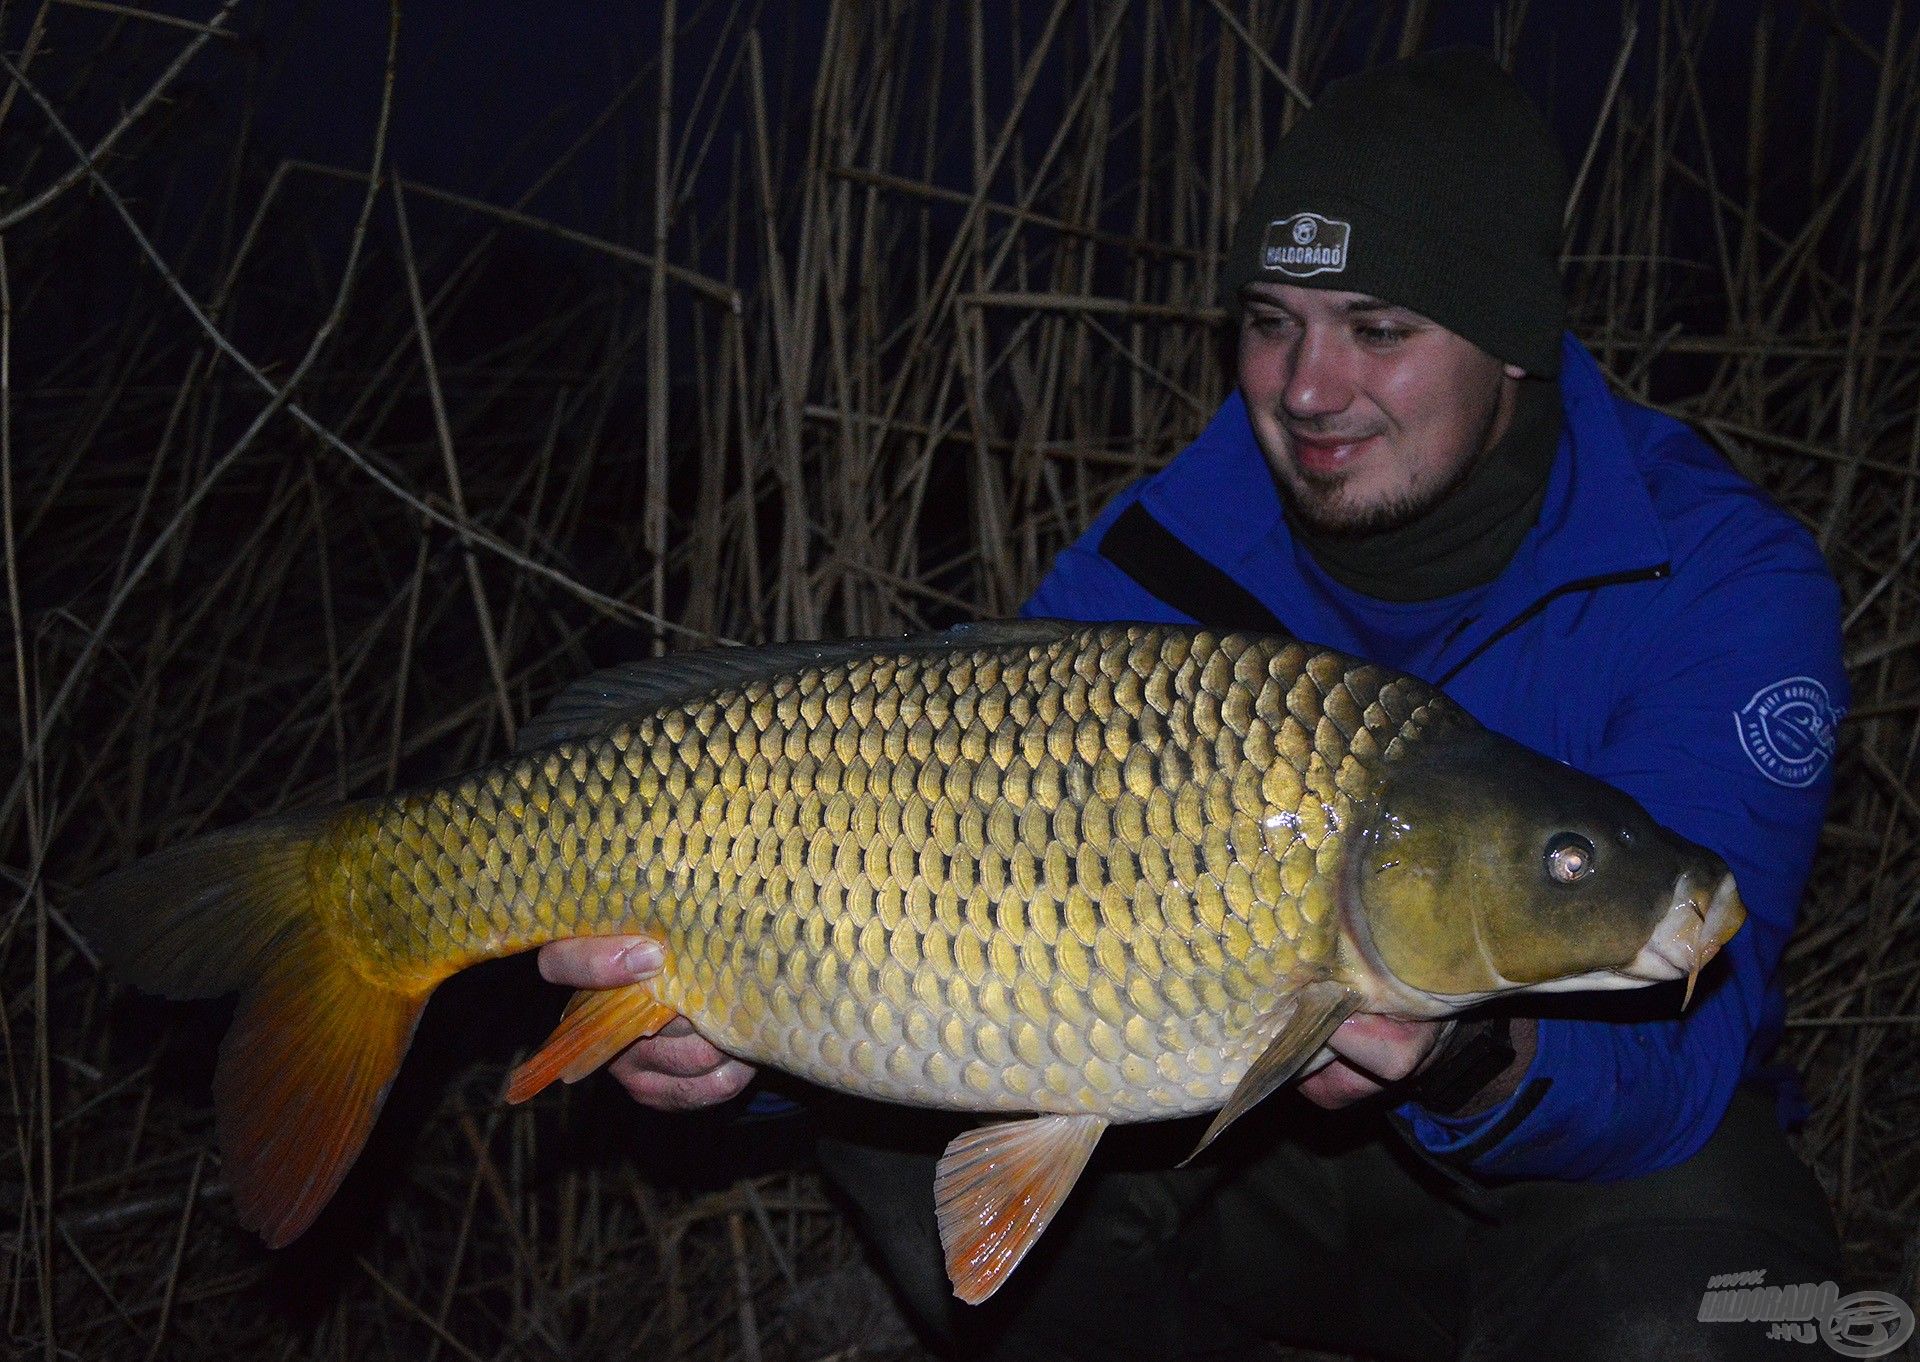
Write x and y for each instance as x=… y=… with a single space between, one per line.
x=1655 y=573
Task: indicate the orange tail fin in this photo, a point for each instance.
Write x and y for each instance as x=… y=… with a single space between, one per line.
x=314 y=1045
x=598 y=1024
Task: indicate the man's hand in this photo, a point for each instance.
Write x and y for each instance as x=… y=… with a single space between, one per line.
x=675 y=1070
x=1372 y=1051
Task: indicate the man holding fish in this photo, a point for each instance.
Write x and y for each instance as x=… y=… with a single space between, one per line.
x=1064 y=875
x=1420 y=468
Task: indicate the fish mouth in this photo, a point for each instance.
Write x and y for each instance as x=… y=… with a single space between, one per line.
x=1691 y=932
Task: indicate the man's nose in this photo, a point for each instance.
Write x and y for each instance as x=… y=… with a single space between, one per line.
x=1319 y=384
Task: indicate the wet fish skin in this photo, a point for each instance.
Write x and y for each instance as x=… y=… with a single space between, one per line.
x=1061 y=877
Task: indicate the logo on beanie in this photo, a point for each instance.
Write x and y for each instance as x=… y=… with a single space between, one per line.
x=1304 y=245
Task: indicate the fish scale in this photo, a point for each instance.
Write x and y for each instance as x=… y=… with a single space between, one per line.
x=1062 y=878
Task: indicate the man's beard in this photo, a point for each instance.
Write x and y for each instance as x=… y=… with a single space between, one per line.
x=1315 y=501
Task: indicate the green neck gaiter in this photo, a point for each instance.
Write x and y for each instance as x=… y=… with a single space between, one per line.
x=1469 y=538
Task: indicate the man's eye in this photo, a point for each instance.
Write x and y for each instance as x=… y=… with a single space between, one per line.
x=1268 y=323
x=1381 y=335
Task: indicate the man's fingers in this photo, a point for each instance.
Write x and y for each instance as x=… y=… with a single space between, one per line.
x=1370 y=1051
x=665 y=1092
x=676 y=1069
x=1338 y=1084
x=1385 y=1048
x=676 y=1053
x=600 y=961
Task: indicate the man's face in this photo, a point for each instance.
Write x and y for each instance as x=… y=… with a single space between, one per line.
x=1369 y=414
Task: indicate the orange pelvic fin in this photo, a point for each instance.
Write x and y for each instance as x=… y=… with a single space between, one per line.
x=315 y=1043
x=598 y=1024
x=997 y=1187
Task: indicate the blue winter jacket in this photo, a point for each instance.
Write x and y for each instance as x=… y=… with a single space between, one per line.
x=1664 y=627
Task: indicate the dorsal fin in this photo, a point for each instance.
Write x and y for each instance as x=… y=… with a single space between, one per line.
x=595 y=702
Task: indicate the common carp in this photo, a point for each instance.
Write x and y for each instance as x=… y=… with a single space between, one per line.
x=1067 y=874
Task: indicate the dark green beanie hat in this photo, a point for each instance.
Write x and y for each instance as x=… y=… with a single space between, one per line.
x=1433 y=184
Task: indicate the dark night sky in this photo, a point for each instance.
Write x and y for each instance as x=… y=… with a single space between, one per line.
x=489 y=92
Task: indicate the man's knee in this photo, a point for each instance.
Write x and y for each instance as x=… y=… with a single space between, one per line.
x=1643 y=1292
x=1619 y=1270
x=1103 y=1251
x=887 y=1189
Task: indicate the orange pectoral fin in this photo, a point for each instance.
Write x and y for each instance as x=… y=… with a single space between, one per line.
x=598 y=1024
x=1301 y=1025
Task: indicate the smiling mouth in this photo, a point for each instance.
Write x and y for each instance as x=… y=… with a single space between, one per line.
x=1331 y=441
x=1321 y=454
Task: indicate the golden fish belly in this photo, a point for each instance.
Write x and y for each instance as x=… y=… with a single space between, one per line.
x=1063 y=877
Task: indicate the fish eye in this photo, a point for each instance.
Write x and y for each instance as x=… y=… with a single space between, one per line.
x=1569 y=857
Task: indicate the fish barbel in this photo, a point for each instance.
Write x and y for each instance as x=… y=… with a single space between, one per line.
x=1070 y=874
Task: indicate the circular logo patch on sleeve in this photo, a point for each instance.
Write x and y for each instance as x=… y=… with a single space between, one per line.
x=1788 y=730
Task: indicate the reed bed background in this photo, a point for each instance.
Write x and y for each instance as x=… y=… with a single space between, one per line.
x=318 y=478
